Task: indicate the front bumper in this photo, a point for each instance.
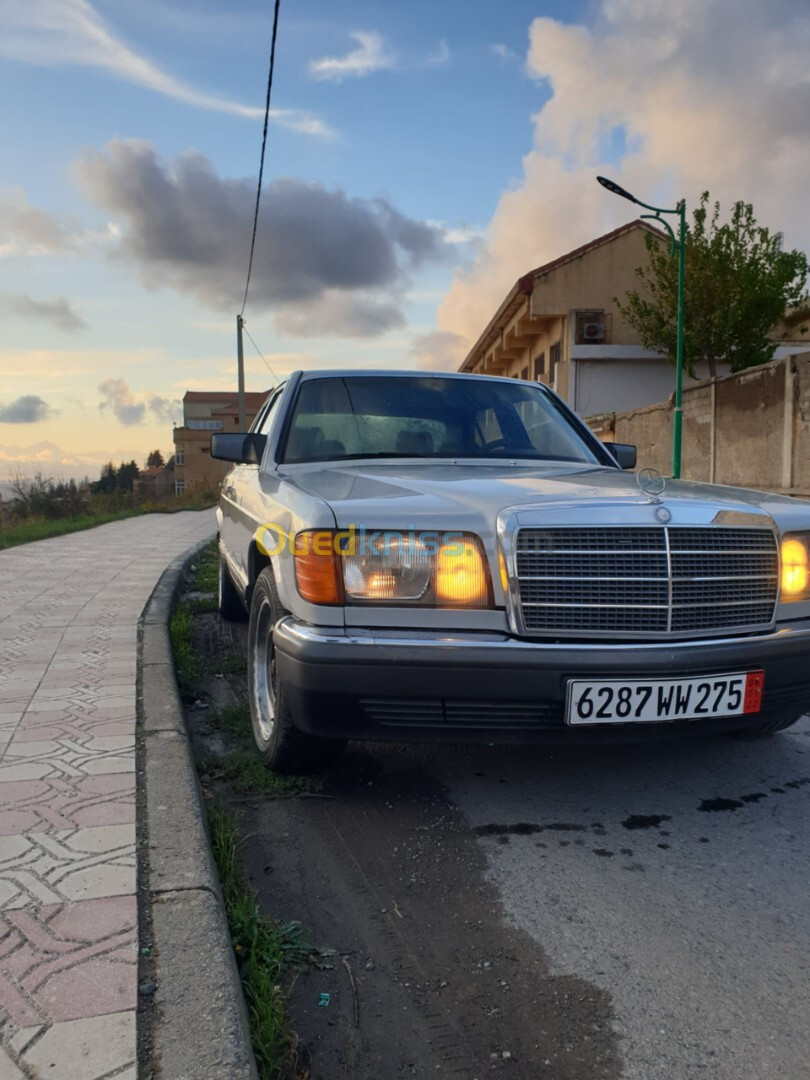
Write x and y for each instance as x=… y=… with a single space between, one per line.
x=403 y=685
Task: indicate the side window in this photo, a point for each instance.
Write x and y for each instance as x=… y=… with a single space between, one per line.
x=263 y=421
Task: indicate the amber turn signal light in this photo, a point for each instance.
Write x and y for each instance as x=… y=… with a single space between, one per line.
x=795 y=569
x=317 y=571
x=462 y=578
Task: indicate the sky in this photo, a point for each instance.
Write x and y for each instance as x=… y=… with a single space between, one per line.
x=420 y=158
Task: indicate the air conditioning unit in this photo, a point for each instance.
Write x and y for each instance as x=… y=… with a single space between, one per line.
x=594 y=332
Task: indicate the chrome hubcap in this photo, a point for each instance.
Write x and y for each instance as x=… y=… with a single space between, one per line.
x=263 y=688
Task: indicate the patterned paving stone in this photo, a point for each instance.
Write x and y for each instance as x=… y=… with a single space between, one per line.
x=63 y=804
x=69 y=609
x=89 y=1049
x=64 y=962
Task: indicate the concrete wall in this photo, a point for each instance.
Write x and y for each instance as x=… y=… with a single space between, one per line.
x=748 y=430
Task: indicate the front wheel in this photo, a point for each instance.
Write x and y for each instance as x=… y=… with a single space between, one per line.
x=283 y=747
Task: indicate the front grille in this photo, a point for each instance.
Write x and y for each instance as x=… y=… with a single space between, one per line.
x=645 y=580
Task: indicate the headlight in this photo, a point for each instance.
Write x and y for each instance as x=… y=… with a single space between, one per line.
x=795 y=566
x=425 y=569
x=388 y=567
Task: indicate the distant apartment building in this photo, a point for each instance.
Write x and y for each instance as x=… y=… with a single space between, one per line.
x=205 y=412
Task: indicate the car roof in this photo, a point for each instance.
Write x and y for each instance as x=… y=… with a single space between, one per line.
x=339 y=373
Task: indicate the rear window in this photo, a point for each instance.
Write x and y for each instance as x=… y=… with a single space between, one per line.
x=428 y=417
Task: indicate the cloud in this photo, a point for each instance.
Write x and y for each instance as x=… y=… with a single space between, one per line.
x=58 y=311
x=439 y=57
x=167 y=410
x=130 y=410
x=28 y=409
x=185 y=227
x=27 y=230
x=368 y=57
x=59 y=32
x=344 y=316
x=668 y=99
x=119 y=400
x=503 y=52
x=52 y=460
x=440 y=350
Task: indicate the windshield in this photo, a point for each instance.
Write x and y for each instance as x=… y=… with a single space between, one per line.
x=429 y=417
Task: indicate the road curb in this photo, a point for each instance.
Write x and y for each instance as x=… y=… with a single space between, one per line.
x=194 y=1026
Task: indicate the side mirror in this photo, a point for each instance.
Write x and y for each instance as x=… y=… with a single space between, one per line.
x=243 y=449
x=624 y=453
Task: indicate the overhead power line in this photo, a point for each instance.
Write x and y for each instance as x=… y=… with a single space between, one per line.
x=264 y=145
x=259 y=351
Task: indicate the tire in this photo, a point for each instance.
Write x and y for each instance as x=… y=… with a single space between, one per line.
x=282 y=746
x=229 y=603
x=769 y=727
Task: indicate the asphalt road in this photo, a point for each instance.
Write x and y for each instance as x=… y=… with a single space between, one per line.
x=674 y=877
x=635 y=912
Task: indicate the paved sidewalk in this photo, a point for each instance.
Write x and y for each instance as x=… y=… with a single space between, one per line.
x=69 y=609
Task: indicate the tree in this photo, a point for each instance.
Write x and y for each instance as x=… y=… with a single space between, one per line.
x=126 y=473
x=739 y=287
x=106 y=482
x=155 y=460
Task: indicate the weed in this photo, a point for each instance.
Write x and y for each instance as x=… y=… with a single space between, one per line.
x=206 y=568
x=199 y=604
x=186 y=659
x=263 y=950
x=232 y=720
x=244 y=771
x=234 y=664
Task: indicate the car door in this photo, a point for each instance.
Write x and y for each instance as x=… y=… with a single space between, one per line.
x=244 y=504
x=229 y=502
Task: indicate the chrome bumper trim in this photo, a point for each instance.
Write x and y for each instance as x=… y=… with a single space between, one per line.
x=304 y=633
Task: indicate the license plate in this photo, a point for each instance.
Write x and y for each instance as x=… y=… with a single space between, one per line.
x=624 y=701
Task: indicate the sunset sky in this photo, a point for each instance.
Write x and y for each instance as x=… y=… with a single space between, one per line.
x=421 y=156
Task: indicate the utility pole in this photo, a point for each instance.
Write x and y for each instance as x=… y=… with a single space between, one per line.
x=240 y=367
x=677 y=247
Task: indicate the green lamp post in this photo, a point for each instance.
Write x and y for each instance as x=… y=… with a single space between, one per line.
x=679 y=246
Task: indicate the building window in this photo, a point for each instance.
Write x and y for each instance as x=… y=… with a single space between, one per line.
x=204 y=425
x=540 y=365
x=179 y=487
x=205 y=450
x=525 y=374
x=180 y=456
x=554 y=357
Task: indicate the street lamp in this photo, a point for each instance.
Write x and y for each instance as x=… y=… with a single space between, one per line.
x=678 y=245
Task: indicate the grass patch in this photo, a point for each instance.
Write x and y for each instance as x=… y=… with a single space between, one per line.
x=234 y=664
x=30 y=529
x=187 y=662
x=42 y=529
x=206 y=568
x=233 y=720
x=241 y=767
x=199 y=604
x=264 y=951
x=245 y=772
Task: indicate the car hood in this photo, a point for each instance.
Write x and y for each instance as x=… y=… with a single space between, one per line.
x=443 y=495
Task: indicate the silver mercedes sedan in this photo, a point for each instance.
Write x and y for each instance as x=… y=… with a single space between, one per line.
x=456 y=557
